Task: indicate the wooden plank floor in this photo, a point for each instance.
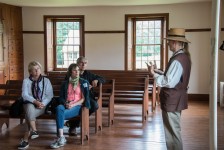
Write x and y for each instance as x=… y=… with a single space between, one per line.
x=127 y=133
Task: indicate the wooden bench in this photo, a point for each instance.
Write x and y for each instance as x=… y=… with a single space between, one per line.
x=107 y=93
x=132 y=93
x=116 y=74
x=108 y=99
x=56 y=83
x=107 y=96
x=9 y=96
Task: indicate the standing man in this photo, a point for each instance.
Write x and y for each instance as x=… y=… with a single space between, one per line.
x=174 y=86
x=94 y=81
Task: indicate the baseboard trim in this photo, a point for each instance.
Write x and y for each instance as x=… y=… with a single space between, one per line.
x=201 y=97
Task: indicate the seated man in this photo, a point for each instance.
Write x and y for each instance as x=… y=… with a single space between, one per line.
x=94 y=81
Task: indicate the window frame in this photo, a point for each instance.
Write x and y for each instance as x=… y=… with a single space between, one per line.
x=49 y=44
x=130 y=55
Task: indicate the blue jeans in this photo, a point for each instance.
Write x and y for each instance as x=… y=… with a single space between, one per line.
x=63 y=114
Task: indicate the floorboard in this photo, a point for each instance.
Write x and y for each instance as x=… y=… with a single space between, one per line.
x=127 y=133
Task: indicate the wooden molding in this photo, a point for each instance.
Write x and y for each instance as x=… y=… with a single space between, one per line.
x=120 y=31
x=201 y=30
x=201 y=97
x=198 y=30
x=33 y=32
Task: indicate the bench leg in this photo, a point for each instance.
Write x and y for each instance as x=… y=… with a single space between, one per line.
x=111 y=111
x=145 y=105
x=158 y=99
x=98 y=117
x=84 y=125
x=2 y=121
x=154 y=97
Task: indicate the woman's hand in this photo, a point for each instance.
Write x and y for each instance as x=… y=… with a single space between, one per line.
x=71 y=104
x=39 y=104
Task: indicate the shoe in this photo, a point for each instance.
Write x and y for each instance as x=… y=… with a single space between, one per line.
x=72 y=131
x=34 y=134
x=23 y=144
x=58 y=143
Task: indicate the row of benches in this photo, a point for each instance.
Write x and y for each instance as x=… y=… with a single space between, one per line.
x=130 y=88
x=125 y=78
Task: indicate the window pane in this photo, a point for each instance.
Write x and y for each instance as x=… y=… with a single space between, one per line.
x=139 y=25
x=151 y=24
x=157 y=32
x=158 y=24
x=157 y=40
x=148 y=42
x=68 y=43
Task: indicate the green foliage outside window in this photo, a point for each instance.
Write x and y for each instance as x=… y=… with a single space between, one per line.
x=63 y=29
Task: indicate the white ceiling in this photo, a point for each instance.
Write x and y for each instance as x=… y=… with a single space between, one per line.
x=72 y=3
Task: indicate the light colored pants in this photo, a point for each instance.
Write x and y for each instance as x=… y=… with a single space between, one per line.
x=31 y=112
x=172 y=129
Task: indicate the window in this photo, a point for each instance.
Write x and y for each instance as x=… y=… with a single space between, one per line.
x=64 y=41
x=145 y=40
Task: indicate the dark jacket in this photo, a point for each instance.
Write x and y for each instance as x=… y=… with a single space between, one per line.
x=176 y=99
x=84 y=88
x=87 y=75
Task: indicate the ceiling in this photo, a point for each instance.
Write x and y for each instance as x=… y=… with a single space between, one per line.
x=72 y=3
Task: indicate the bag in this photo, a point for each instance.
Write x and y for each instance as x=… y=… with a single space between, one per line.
x=16 y=109
x=52 y=105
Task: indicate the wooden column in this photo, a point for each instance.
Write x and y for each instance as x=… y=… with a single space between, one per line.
x=215 y=30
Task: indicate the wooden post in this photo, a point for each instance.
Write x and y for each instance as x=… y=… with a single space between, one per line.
x=215 y=30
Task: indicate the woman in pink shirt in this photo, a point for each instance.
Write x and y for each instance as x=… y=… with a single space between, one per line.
x=73 y=94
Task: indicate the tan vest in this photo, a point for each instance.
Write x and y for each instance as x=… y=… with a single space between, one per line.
x=176 y=99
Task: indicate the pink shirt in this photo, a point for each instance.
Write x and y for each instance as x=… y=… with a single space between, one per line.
x=74 y=95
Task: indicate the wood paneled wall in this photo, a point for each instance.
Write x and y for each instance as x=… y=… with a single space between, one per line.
x=12 y=64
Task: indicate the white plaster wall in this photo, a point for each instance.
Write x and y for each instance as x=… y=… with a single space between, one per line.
x=33 y=50
x=106 y=51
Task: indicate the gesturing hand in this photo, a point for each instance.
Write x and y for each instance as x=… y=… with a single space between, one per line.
x=151 y=68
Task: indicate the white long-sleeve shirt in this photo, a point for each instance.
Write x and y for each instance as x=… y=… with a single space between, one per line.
x=27 y=90
x=173 y=75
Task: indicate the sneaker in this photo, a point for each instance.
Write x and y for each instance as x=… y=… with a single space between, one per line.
x=34 y=134
x=72 y=131
x=58 y=143
x=23 y=145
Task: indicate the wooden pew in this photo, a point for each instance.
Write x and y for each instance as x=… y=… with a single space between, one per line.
x=130 y=92
x=98 y=113
x=116 y=74
x=108 y=99
x=131 y=78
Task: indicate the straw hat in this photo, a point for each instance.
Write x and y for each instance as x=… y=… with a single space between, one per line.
x=177 y=34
